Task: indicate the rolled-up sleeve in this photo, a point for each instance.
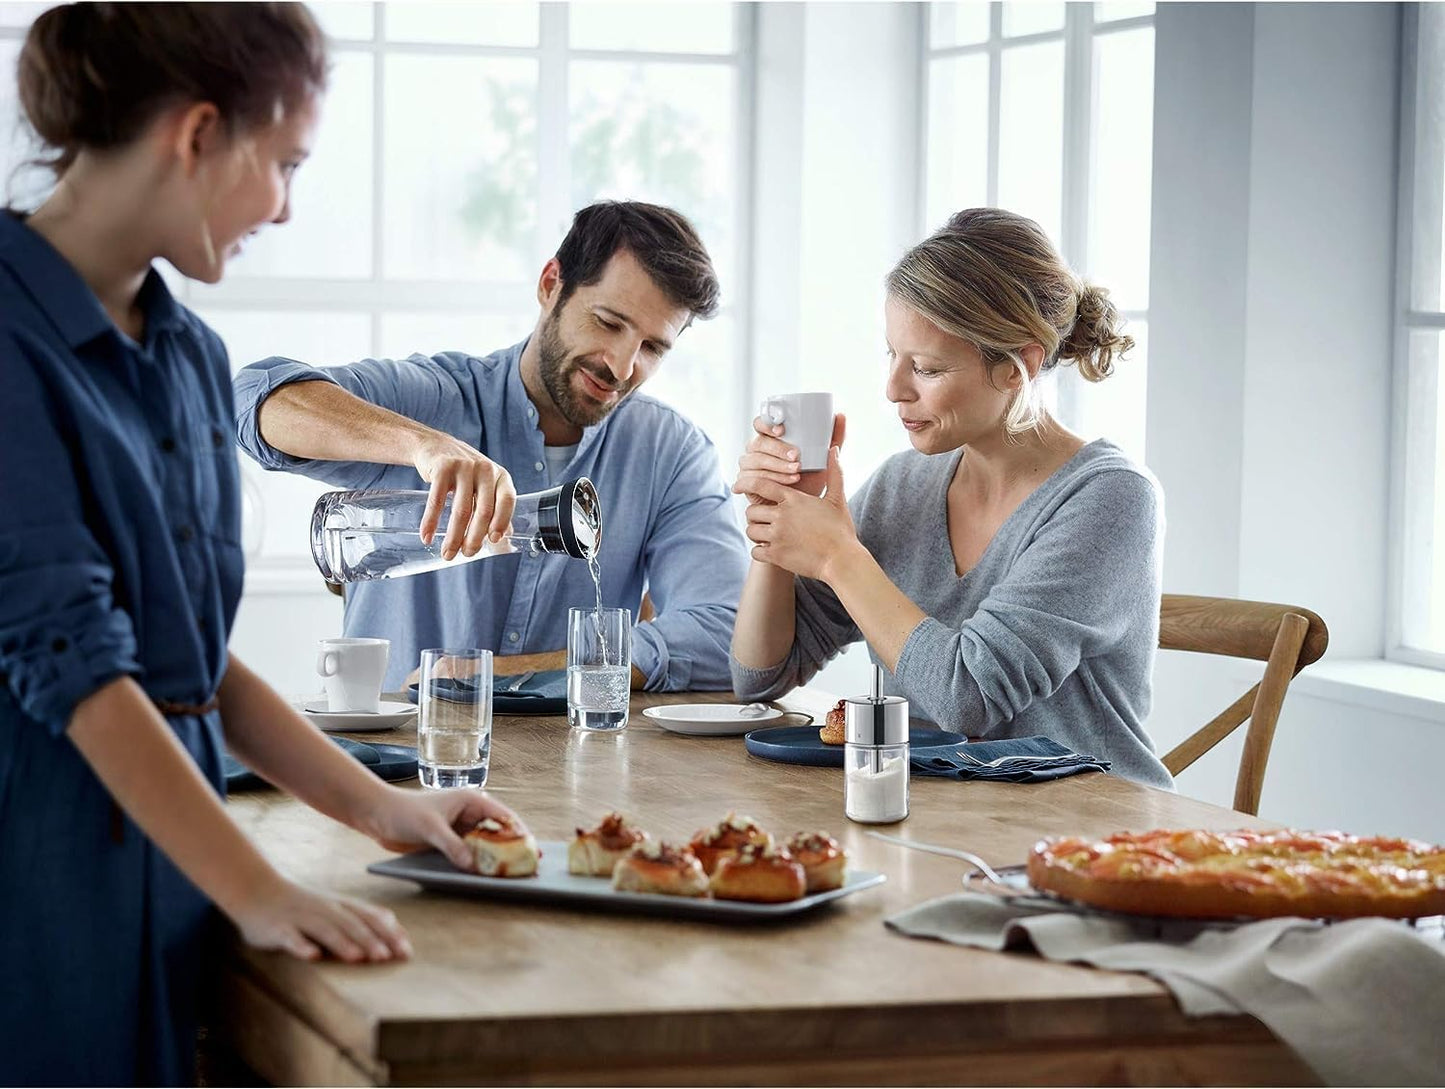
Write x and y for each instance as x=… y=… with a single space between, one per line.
x=695 y=561
x=428 y=389
x=62 y=635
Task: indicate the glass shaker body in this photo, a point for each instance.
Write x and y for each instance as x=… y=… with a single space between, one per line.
x=358 y=536
x=875 y=783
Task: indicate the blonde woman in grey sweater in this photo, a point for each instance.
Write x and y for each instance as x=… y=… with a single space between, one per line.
x=1004 y=572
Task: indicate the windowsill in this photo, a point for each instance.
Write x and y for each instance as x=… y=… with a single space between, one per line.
x=1379 y=685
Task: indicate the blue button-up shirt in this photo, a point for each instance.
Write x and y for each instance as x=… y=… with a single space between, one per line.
x=668 y=524
x=119 y=556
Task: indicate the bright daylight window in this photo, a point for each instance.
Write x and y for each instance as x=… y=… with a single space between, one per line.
x=1046 y=109
x=1417 y=620
x=455 y=143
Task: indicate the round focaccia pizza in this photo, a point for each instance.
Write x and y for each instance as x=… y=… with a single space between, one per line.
x=1223 y=875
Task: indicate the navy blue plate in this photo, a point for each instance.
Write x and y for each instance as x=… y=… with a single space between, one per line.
x=801 y=744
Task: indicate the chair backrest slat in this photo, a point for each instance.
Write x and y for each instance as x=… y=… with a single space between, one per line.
x=1287 y=637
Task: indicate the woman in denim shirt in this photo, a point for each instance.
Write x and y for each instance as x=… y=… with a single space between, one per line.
x=175 y=132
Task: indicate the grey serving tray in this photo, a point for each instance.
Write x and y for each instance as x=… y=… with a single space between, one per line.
x=554 y=885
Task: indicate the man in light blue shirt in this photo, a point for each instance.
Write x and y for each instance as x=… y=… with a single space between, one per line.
x=626 y=281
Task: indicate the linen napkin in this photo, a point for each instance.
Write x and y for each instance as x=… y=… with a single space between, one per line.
x=385 y=761
x=1012 y=760
x=1359 y=1000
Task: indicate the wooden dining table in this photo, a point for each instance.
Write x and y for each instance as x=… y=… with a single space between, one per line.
x=508 y=992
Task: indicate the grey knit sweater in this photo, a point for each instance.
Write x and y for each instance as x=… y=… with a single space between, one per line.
x=1054 y=630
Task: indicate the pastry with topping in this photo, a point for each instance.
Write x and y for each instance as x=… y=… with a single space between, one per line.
x=824 y=863
x=760 y=874
x=665 y=868
x=596 y=851
x=502 y=849
x=726 y=838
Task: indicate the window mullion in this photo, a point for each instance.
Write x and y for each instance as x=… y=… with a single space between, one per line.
x=995 y=94
x=378 y=168
x=554 y=176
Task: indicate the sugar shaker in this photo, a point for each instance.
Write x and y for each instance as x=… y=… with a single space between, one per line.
x=875 y=756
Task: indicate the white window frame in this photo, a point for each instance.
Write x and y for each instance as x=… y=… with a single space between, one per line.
x=1413 y=437
x=1078 y=34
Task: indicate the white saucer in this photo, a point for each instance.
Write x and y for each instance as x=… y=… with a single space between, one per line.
x=710 y=719
x=389 y=716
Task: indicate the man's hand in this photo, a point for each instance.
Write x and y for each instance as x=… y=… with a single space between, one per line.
x=483 y=495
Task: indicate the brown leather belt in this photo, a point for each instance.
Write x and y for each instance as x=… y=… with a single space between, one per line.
x=170 y=707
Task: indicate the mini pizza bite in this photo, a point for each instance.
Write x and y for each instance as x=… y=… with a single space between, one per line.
x=1214 y=875
x=825 y=864
x=727 y=837
x=664 y=868
x=833 y=731
x=501 y=849
x=594 y=852
x=759 y=874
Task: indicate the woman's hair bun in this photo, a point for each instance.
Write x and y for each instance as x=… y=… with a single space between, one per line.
x=1097 y=336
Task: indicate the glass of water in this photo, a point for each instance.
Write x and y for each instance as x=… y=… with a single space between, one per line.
x=454 y=724
x=599 y=668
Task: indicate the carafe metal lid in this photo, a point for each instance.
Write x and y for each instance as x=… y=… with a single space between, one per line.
x=570 y=519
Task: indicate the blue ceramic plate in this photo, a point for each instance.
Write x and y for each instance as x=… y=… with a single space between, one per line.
x=801 y=744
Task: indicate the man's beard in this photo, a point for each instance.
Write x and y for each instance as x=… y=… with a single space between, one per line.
x=557 y=370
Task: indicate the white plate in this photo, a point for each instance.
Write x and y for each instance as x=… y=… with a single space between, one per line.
x=388 y=717
x=554 y=884
x=711 y=719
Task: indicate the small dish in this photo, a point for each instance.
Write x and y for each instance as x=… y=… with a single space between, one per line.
x=712 y=719
x=388 y=716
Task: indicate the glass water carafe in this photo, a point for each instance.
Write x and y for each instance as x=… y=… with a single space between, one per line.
x=362 y=535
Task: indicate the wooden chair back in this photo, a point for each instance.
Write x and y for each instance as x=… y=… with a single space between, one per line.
x=1286 y=637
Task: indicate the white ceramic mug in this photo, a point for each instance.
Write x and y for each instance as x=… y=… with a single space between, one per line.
x=352 y=670
x=807 y=420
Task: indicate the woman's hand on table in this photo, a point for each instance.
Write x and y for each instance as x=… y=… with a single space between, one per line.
x=797 y=530
x=413 y=820
x=768 y=458
x=285 y=916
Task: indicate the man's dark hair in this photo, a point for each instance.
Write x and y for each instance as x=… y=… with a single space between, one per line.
x=663 y=241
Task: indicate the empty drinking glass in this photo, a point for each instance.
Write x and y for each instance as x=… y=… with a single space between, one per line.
x=599 y=668
x=454 y=726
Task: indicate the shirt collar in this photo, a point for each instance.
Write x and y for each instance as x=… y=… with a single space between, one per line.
x=65 y=298
x=518 y=389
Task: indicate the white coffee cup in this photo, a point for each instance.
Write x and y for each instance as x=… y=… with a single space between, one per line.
x=807 y=420
x=352 y=670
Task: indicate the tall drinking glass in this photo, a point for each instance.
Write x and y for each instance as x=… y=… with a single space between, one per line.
x=599 y=668
x=454 y=726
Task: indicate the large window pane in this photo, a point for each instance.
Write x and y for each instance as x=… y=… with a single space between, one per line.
x=1031 y=134
x=1114 y=408
x=662 y=133
x=512 y=23
x=20 y=14
x=1031 y=18
x=699 y=379
x=345 y=20
x=1110 y=10
x=957 y=136
x=1423 y=602
x=1428 y=223
x=1122 y=158
x=664 y=27
x=464 y=208
x=963 y=23
x=402 y=334
x=22 y=183
x=329 y=234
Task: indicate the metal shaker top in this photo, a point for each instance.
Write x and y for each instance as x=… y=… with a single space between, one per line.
x=875 y=721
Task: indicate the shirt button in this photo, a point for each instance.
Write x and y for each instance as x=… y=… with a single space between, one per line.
x=60 y=646
x=539 y=466
x=168 y=444
x=184 y=534
x=217 y=439
x=514 y=637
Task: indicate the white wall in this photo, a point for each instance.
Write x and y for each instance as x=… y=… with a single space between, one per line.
x=1269 y=386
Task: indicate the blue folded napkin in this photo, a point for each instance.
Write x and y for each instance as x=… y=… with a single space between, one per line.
x=1013 y=760
x=542 y=693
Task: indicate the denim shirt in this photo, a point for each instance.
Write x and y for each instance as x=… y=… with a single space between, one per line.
x=120 y=535
x=667 y=520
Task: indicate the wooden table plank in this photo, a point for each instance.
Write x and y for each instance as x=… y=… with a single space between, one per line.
x=518 y=993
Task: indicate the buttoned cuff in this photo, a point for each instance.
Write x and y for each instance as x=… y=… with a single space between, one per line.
x=664 y=672
x=64 y=657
